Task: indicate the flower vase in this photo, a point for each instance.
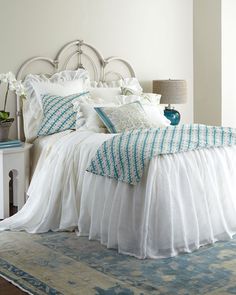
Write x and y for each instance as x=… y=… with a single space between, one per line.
x=5 y=128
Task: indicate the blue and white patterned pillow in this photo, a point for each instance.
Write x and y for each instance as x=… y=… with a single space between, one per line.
x=124 y=118
x=58 y=113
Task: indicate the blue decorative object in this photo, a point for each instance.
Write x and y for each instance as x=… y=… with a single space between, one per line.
x=172 y=115
x=172 y=92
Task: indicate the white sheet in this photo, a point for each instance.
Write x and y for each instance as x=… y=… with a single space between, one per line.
x=184 y=200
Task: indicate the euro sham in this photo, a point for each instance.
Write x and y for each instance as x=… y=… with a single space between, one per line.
x=62 y=83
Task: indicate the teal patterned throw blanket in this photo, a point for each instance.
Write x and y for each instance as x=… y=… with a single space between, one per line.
x=124 y=156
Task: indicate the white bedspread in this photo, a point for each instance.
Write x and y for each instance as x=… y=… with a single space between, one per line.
x=42 y=145
x=183 y=201
x=55 y=189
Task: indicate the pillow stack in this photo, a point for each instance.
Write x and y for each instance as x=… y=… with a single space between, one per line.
x=68 y=100
x=117 y=109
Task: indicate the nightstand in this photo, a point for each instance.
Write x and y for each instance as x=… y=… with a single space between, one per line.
x=17 y=160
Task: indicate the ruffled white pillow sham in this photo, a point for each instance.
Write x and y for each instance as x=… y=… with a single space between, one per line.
x=107 y=94
x=110 y=90
x=62 y=84
x=131 y=83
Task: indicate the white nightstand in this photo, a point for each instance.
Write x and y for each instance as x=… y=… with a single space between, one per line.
x=17 y=160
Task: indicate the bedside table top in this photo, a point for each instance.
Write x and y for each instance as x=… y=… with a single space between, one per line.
x=19 y=149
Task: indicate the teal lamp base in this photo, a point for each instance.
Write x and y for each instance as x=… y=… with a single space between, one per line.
x=172 y=115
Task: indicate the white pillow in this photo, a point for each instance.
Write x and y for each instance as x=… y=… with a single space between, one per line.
x=152 y=98
x=60 y=88
x=61 y=84
x=107 y=94
x=145 y=98
x=87 y=117
x=126 y=82
x=109 y=91
x=156 y=115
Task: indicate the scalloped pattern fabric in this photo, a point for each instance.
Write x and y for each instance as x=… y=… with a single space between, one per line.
x=58 y=113
x=125 y=156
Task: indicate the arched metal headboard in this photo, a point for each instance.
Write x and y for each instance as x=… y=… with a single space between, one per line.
x=74 y=55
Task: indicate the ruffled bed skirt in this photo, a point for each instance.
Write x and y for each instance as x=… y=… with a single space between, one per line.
x=184 y=201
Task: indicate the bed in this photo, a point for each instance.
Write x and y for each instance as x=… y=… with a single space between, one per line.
x=183 y=200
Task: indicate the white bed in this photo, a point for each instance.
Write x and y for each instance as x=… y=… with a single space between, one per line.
x=172 y=210
x=183 y=201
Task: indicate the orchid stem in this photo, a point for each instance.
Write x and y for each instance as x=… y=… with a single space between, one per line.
x=5 y=100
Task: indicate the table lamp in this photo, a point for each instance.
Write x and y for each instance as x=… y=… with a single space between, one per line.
x=172 y=92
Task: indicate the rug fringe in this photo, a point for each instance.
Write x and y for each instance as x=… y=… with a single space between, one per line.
x=15 y=284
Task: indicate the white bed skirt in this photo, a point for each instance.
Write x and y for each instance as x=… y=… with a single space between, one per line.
x=184 y=201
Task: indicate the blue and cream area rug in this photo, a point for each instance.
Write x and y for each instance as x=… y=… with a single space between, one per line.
x=62 y=263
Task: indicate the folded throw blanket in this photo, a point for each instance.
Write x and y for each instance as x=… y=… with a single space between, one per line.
x=124 y=156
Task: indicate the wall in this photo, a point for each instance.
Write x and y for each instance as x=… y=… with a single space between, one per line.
x=228 y=63
x=154 y=35
x=207 y=62
x=215 y=62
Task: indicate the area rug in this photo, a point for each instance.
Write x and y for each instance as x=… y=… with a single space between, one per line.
x=62 y=263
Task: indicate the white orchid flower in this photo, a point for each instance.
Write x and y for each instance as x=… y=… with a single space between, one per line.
x=3 y=78
x=10 y=77
x=19 y=88
x=12 y=86
x=7 y=78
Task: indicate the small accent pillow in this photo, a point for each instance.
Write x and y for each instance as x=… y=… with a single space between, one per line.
x=58 y=113
x=124 y=118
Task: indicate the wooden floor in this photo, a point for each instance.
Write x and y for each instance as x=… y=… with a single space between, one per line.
x=7 y=288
